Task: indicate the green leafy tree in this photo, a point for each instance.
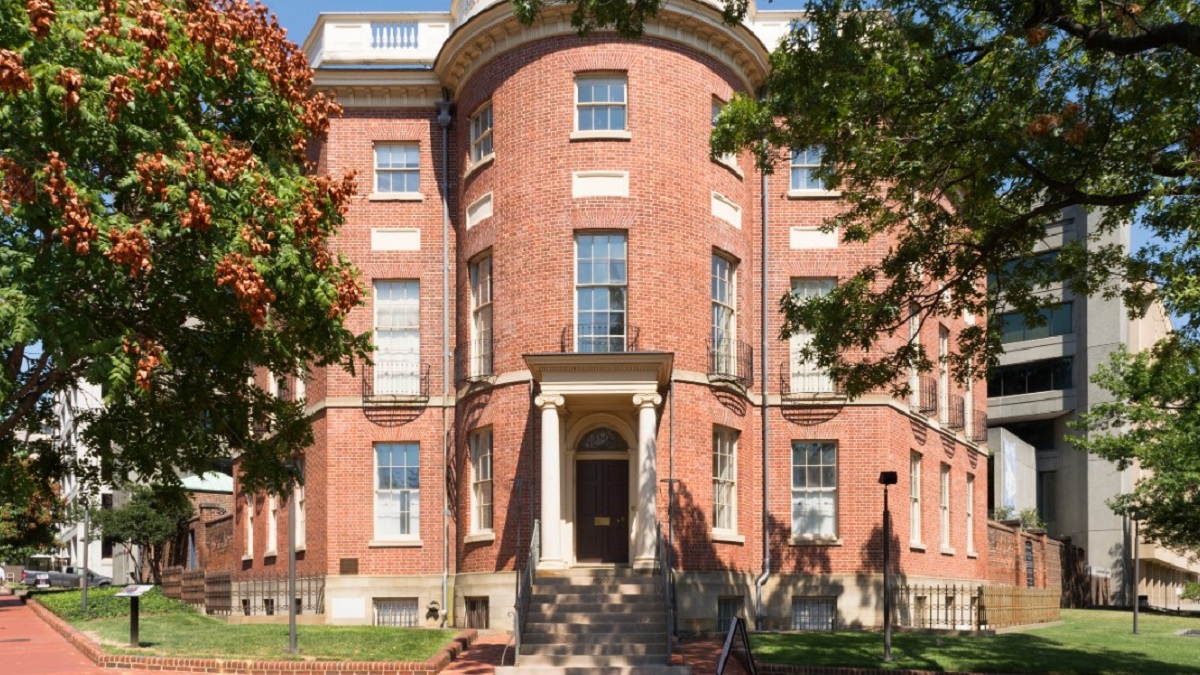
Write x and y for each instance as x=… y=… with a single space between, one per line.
x=1154 y=421
x=162 y=233
x=152 y=518
x=30 y=506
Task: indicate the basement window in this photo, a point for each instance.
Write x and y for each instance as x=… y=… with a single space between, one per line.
x=813 y=613
x=396 y=612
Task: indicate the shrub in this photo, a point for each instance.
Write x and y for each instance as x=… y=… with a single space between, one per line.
x=103 y=604
x=1191 y=591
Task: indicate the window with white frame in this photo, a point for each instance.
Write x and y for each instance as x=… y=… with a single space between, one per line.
x=272 y=524
x=481 y=480
x=397 y=337
x=944 y=505
x=804 y=167
x=481 y=315
x=724 y=314
x=600 y=102
x=249 y=521
x=481 y=134
x=943 y=374
x=397 y=168
x=298 y=494
x=724 y=461
x=814 y=489
x=397 y=490
x=914 y=497
x=806 y=376
x=729 y=157
x=601 y=282
x=914 y=336
x=970 y=513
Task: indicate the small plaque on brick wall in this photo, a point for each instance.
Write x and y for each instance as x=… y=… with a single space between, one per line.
x=348 y=566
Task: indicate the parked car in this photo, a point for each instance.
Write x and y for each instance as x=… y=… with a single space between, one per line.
x=68 y=578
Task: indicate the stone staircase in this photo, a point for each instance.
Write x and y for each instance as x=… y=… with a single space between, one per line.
x=595 y=622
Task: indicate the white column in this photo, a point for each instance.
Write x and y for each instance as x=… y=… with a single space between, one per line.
x=646 y=517
x=551 y=557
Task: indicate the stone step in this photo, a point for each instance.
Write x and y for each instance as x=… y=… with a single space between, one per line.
x=633 y=584
x=570 y=661
x=642 y=604
x=611 y=572
x=591 y=596
x=596 y=633
x=594 y=670
x=587 y=616
x=623 y=625
x=596 y=649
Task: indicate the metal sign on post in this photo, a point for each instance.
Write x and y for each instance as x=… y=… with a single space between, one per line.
x=133 y=593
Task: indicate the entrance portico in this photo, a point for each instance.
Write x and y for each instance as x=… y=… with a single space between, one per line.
x=582 y=393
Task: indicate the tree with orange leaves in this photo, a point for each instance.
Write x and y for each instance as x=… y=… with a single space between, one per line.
x=163 y=233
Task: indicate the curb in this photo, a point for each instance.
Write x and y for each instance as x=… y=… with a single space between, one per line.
x=98 y=656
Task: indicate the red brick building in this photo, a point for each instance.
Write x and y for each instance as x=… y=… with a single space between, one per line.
x=596 y=349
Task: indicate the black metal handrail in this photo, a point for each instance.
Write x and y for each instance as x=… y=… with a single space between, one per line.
x=979 y=427
x=587 y=338
x=956 y=418
x=474 y=360
x=405 y=382
x=526 y=578
x=927 y=398
x=730 y=360
x=796 y=382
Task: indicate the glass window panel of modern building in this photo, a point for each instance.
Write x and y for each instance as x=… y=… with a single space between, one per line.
x=806 y=376
x=397 y=490
x=804 y=166
x=724 y=461
x=724 y=326
x=600 y=103
x=814 y=489
x=397 y=337
x=600 y=292
x=397 y=168
x=1031 y=377
x=1051 y=322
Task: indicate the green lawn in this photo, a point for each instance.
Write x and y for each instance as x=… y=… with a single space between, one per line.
x=182 y=632
x=1095 y=642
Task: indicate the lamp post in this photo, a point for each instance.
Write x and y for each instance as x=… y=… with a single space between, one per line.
x=1137 y=517
x=887 y=478
x=293 y=648
x=83 y=578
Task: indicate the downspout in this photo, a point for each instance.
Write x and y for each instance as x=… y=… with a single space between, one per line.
x=444 y=118
x=759 y=613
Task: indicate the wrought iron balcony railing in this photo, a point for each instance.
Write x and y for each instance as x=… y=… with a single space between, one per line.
x=731 y=361
x=598 y=338
x=979 y=427
x=798 y=379
x=927 y=396
x=395 y=381
x=474 y=360
x=956 y=418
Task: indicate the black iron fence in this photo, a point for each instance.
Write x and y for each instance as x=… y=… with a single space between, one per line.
x=268 y=595
x=967 y=607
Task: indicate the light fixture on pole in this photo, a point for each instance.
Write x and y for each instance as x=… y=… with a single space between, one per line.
x=295 y=469
x=1136 y=516
x=83 y=577
x=887 y=478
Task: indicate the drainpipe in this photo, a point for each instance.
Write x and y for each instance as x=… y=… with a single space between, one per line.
x=760 y=613
x=444 y=120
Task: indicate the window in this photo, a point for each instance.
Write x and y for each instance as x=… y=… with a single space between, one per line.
x=813 y=613
x=481 y=134
x=481 y=316
x=249 y=526
x=944 y=505
x=301 y=513
x=1054 y=320
x=481 y=480
x=728 y=609
x=272 y=524
x=970 y=513
x=943 y=374
x=397 y=490
x=1039 y=262
x=724 y=460
x=804 y=166
x=914 y=496
x=477 y=613
x=806 y=376
x=724 y=315
x=600 y=103
x=397 y=337
x=728 y=158
x=814 y=489
x=397 y=168
x=600 y=292
x=396 y=612
x=1031 y=377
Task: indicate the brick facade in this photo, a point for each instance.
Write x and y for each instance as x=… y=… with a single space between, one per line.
x=672 y=235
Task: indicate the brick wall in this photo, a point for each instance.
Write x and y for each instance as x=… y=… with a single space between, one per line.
x=1008 y=560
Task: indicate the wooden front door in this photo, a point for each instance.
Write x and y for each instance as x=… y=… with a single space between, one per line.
x=602 y=510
